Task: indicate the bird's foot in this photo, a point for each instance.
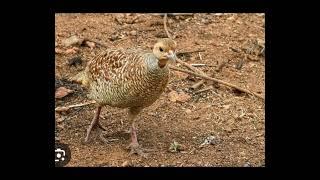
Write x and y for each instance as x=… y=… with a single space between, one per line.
x=135 y=148
x=98 y=127
x=106 y=140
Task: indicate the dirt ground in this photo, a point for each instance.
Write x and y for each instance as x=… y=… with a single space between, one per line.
x=235 y=121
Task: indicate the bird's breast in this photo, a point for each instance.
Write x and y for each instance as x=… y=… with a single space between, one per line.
x=134 y=87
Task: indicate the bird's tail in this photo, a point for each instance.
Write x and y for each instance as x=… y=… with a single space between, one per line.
x=81 y=78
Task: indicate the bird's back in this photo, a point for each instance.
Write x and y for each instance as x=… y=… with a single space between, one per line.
x=125 y=78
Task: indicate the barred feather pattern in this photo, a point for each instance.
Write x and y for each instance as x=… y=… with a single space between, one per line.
x=126 y=78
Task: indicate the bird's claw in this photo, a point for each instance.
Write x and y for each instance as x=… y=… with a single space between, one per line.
x=99 y=128
x=135 y=148
x=105 y=140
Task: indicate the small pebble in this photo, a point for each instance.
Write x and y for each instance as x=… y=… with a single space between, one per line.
x=90 y=44
x=188 y=111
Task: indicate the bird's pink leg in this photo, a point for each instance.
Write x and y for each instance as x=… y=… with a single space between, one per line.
x=134 y=145
x=94 y=123
x=134 y=139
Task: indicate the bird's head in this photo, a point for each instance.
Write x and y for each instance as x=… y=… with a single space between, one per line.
x=164 y=50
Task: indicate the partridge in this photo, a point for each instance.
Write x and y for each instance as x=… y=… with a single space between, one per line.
x=128 y=78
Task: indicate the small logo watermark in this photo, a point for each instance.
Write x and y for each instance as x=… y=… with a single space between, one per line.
x=62 y=154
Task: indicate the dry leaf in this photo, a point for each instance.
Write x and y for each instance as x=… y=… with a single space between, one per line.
x=62 y=92
x=183 y=97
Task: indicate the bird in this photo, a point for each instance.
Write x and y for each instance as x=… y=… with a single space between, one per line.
x=128 y=78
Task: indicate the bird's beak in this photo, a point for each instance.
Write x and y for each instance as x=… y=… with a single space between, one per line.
x=172 y=56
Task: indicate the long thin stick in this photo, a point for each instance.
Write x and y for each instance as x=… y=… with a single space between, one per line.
x=204 y=89
x=196 y=65
x=188 y=52
x=165 y=25
x=217 y=80
x=65 y=108
x=189 y=66
x=197 y=84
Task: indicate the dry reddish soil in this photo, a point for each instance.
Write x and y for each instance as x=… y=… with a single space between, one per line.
x=235 y=120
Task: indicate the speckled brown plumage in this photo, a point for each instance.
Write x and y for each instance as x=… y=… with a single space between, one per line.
x=124 y=79
x=129 y=78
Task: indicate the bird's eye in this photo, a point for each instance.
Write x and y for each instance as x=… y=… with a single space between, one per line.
x=161 y=49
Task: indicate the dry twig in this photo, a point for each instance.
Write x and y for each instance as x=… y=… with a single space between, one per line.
x=200 y=56
x=217 y=80
x=204 y=89
x=189 y=66
x=197 y=65
x=66 y=108
x=197 y=84
x=189 y=52
x=165 y=25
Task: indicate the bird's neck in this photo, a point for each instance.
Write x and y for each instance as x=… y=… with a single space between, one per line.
x=162 y=63
x=156 y=65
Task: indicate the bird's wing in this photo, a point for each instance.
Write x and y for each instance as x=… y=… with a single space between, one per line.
x=110 y=63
